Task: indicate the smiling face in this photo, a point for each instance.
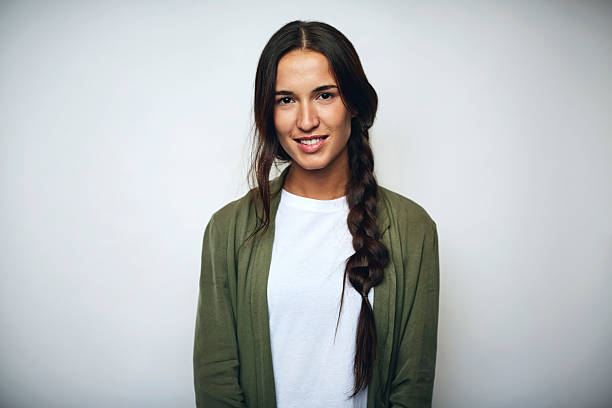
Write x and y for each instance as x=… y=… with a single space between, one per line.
x=312 y=124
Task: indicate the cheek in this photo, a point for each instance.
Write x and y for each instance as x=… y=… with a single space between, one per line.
x=282 y=126
x=348 y=126
x=339 y=117
x=282 y=123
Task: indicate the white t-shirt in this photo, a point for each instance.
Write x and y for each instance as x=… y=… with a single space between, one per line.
x=311 y=245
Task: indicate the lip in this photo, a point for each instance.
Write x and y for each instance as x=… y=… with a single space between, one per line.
x=313 y=147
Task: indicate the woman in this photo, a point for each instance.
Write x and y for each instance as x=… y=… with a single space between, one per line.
x=318 y=288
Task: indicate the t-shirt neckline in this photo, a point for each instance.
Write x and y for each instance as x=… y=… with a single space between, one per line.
x=312 y=204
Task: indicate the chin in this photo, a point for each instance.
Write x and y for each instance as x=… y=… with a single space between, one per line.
x=310 y=166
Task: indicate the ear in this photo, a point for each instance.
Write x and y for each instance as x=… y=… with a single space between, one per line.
x=354 y=114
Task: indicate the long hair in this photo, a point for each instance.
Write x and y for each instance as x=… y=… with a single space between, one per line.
x=365 y=267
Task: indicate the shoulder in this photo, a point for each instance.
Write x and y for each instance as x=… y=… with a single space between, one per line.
x=231 y=210
x=403 y=210
x=412 y=231
x=240 y=217
x=235 y=216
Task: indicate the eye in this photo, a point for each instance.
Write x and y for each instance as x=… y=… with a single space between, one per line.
x=326 y=95
x=284 y=100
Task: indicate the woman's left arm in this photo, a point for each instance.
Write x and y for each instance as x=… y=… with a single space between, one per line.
x=413 y=380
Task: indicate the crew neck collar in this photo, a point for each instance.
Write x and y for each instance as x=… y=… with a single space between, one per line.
x=313 y=204
x=276 y=186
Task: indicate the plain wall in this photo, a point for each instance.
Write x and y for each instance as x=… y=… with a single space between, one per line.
x=125 y=125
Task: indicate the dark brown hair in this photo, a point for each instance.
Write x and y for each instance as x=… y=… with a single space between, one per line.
x=364 y=268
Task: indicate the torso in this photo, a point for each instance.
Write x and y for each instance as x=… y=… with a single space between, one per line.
x=311 y=245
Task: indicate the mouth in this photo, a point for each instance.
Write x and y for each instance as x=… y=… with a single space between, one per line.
x=311 y=144
x=311 y=140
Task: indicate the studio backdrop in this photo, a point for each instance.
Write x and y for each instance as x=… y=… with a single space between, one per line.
x=125 y=125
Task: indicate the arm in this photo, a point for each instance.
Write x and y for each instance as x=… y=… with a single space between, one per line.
x=412 y=384
x=215 y=354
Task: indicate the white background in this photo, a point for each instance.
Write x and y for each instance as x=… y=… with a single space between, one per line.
x=125 y=125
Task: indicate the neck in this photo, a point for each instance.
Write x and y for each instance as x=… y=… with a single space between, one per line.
x=322 y=184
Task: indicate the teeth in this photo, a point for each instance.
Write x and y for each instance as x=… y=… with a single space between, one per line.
x=311 y=141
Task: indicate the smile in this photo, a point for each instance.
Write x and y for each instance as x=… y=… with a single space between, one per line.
x=311 y=144
x=311 y=141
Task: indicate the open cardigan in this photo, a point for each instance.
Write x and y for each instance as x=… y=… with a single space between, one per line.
x=232 y=358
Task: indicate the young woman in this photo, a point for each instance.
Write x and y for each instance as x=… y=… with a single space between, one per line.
x=318 y=288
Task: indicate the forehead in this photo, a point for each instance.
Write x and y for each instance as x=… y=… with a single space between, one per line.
x=303 y=70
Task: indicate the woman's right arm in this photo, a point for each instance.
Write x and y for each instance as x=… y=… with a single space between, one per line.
x=215 y=354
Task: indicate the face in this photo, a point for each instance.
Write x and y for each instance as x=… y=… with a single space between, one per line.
x=311 y=121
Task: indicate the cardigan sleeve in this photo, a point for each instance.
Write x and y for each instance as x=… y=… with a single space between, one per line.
x=413 y=379
x=215 y=355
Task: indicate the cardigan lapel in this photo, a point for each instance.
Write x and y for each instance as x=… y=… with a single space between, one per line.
x=259 y=273
x=384 y=309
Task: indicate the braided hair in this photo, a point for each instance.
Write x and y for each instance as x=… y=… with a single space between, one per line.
x=365 y=267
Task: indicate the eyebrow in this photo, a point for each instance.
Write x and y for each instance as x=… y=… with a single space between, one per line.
x=321 y=88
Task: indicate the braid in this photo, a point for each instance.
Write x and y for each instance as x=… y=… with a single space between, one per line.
x=365 y=267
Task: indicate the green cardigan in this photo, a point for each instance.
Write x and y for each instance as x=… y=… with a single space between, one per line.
x=232 y=360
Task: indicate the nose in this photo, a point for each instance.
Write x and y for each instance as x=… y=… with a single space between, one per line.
x=308 y=118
